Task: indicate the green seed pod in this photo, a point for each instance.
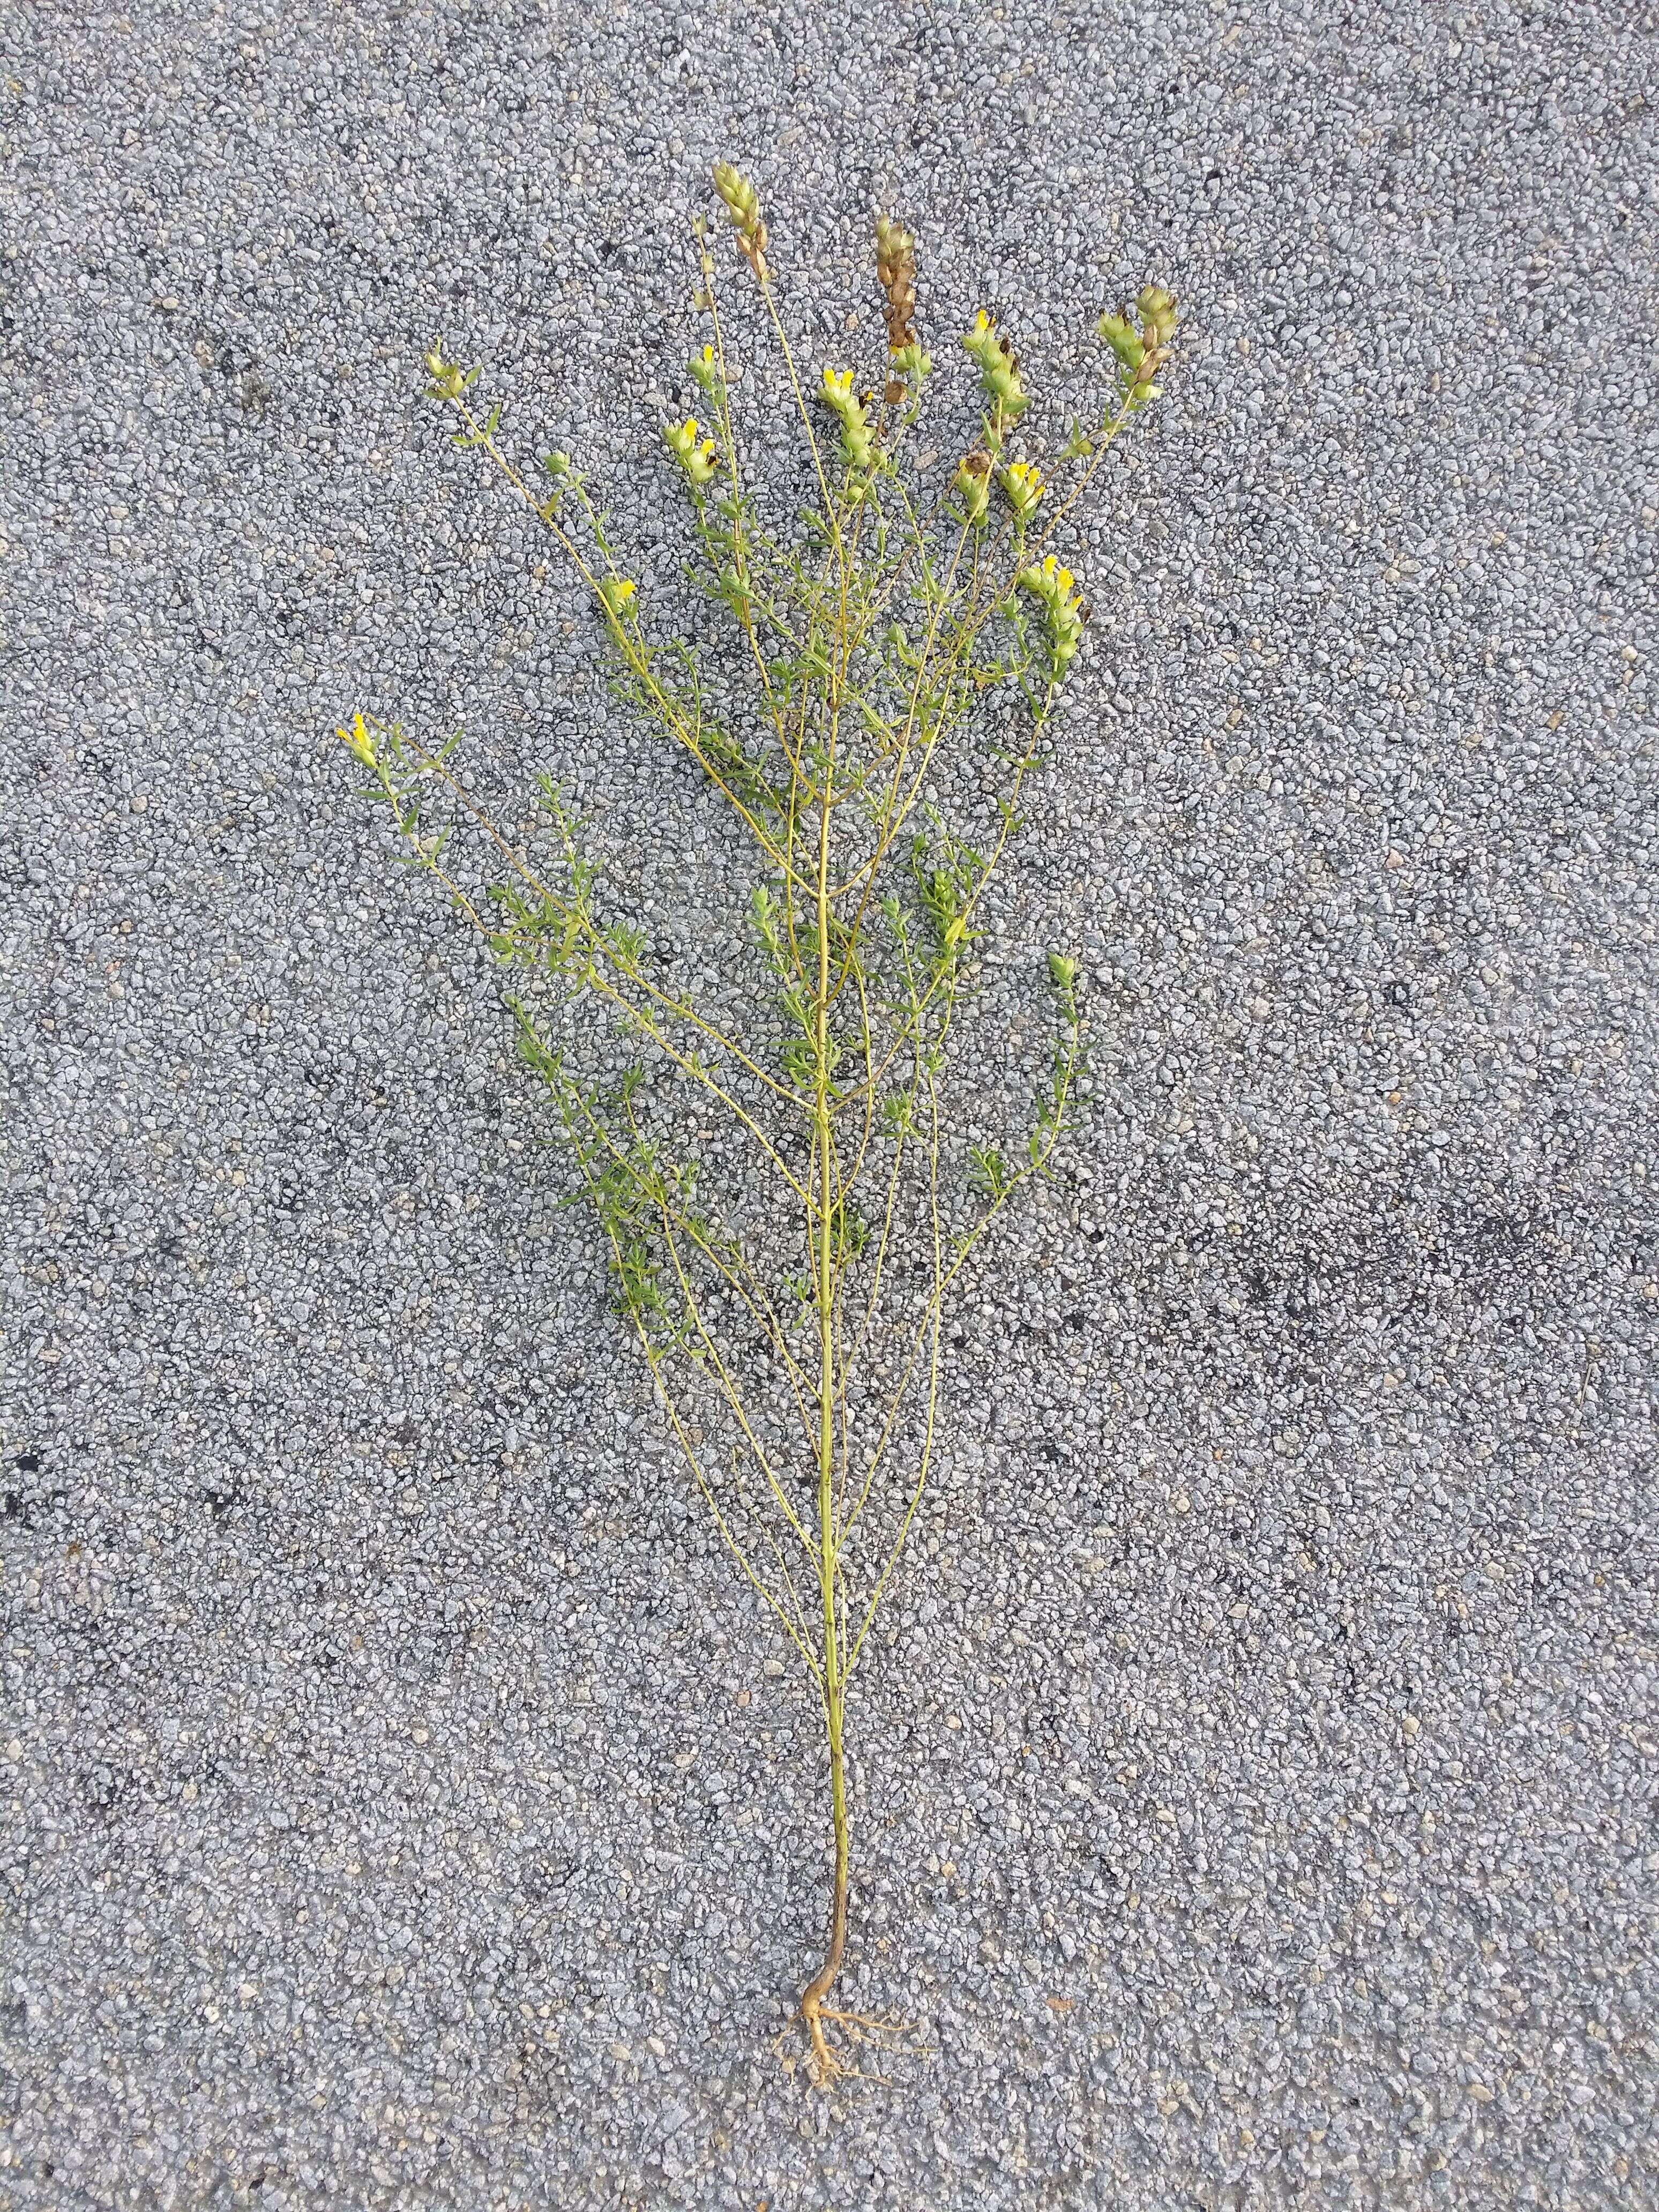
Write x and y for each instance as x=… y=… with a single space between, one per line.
x=1156 y=310
x=1121 y=338
x=743 y=205
x=742 y=200
x=972 y=486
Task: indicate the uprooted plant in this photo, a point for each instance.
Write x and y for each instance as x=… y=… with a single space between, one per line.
x=792 y=1329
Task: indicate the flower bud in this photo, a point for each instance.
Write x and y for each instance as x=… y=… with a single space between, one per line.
x=1122 y=336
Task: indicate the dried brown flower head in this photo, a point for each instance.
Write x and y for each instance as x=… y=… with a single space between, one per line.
x=895 y=269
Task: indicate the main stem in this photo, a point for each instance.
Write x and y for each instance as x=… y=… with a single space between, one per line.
x=811 y=2003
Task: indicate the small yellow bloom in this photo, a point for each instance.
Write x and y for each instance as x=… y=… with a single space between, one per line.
x=1022 y=485
x=698 y=460
x=358 y=740
x=618 y=593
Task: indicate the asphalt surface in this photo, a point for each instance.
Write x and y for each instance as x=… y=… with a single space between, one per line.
x=1255 y=1794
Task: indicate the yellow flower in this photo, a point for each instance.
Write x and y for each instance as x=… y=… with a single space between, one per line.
x=617 y=593
x=357 y=738
x=698 y=460
x=1022 y=485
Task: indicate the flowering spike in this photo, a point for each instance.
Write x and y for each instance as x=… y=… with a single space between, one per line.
x=1063 y=612
x=743 y=205
x=857 y=438
x=449 y=380
x=998 y=372
x=359 y=741
x=1140 y=354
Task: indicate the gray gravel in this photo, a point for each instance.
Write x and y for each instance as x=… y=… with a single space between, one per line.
x=1254 y=1797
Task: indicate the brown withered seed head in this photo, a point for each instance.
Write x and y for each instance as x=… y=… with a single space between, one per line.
x=894 y=248
x=896 y=270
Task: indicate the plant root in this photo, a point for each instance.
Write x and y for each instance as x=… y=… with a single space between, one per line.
x=825 y=2065
x=871 y=2020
